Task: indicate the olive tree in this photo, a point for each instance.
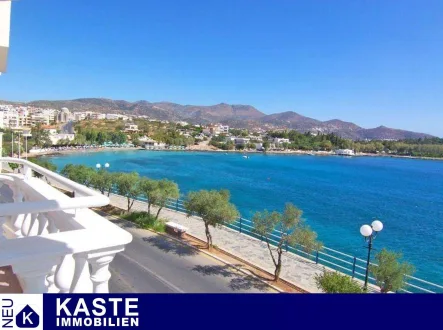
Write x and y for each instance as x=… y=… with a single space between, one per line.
x=281 y=229
x=213 y=207
x=79 y=173
x=127 y=185
x=390 y=272
x=43 y=163
x=147 y=190
x=165 y=190
x=102 y=181
x=335 y=282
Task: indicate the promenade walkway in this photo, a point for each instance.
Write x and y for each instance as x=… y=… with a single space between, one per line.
x=295 y=269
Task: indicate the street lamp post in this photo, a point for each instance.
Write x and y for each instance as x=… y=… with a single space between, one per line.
x=19 y=145
x=370 y=232
x=26 y=136
x=98 y=166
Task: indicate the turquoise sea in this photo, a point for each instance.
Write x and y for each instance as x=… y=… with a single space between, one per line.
x=337 y=194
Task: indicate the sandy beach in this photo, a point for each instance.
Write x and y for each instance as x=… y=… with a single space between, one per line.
x=209 y=148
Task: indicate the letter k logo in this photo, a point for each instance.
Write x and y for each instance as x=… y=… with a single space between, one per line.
x=27 y=318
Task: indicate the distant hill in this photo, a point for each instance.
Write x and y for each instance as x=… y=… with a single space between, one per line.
x=235 y=115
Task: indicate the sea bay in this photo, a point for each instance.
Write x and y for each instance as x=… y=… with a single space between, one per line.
x=337 y=194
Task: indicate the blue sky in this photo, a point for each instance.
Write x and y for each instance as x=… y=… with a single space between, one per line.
x=371 y=62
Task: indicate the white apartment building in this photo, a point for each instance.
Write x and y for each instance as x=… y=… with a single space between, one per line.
x=223 y=129
x=279 y=140
x=55 y=138
x=99 y=116
x=13 y=119
x=113 y=116
x=79 y=116
x=39 y=118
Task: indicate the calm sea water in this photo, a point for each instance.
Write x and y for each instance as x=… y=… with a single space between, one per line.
x=337 y=194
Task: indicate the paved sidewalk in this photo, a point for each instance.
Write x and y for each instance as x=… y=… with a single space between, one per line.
x=296 y=269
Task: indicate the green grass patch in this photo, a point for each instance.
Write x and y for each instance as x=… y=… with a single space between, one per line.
x=145 y=221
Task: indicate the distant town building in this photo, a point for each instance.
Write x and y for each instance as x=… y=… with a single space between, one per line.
x=64 y=115
x=56 y=138
x=152 y=144
x=344 y=152
x=240 y=141
x=279 y=140
x=131 y=128
x=216 y=129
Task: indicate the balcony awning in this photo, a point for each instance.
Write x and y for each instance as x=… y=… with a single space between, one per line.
x=5 y=20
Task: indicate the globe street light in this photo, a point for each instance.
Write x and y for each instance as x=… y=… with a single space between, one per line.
x=99 y=166
x=370 y=233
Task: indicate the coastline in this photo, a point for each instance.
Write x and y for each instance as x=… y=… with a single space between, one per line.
x=213 y=149
x=75 y=151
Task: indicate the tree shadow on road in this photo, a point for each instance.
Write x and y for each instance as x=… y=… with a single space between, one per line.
x=248 y=282
x=124 y=223
x=238 y=282
x=170 y=246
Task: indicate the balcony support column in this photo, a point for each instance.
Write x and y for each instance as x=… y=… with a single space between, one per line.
x=32 y=275
x=81 y=282
x=64 y=274
x=100 y=273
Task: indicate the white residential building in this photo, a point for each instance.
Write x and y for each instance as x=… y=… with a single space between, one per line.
x=131 y=128
x=240 y=141
x=79 y=116
x=40 y=118
x=55 y=138
x=114 y=116
x=279 y=140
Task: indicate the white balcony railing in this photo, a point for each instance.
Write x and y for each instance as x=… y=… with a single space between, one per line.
x=53 y=242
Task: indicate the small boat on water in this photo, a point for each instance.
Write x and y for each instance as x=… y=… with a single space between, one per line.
x=244 y=156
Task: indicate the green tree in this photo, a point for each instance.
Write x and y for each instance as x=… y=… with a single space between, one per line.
x=287 y=228
x=334 y=282
x=79 y=173
x=163 y=191
x=40 y=137
x=43 y=163
x=266 y=145
x=102 y=137
x=102 y=180
x=390 y=273
x=213 y=207
x=127 y=185
x=326 y=145
x=148 y=190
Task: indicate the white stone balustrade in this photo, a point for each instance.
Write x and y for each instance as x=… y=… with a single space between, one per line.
x=53 y=242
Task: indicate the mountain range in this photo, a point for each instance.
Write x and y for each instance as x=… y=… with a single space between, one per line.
x=235 y=115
